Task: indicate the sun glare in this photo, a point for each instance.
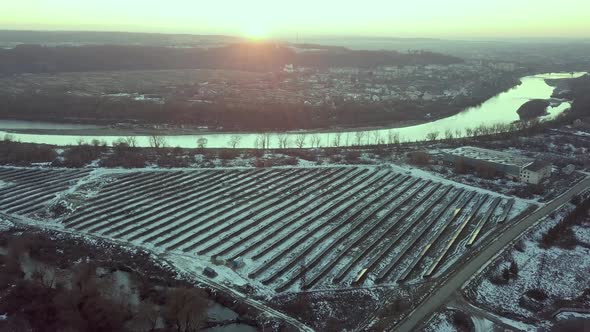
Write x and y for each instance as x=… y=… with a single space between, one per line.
x=255 y=32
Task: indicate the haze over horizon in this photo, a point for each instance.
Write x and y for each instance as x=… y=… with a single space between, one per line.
x=273 y=19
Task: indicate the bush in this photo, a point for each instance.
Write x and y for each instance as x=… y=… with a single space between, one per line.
x=81 y=155
x=419 y=158
x=576 y=200
x=277 y=161
x=228 y=154
x=352 y=156
x=127 y=158
x=20 y=154
x=463 y=322
x=520 y=246
x=537 y=294
x=561 y=234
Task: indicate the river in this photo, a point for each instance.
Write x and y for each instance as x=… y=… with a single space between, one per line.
x=499 y=109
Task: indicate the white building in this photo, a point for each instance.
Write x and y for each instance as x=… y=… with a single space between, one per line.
x=289 y=68
x=512 y=165
x=535 y=172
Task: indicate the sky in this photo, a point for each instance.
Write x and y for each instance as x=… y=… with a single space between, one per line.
x=280 y=19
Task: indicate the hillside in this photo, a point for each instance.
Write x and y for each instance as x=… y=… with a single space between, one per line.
x=242 y=56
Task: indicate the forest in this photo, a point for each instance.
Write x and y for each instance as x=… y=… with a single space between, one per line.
x=240 y=56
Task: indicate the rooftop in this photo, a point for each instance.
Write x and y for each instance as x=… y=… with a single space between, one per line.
x=493 y=156
x=537 y=165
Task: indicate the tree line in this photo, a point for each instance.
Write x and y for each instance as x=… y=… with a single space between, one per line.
x=248 y=116
x=240 y=56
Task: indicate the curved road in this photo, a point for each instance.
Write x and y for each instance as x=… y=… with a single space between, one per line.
x=455 y=282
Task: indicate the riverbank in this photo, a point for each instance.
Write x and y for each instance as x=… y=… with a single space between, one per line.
x=499 y=110
x=183 y=131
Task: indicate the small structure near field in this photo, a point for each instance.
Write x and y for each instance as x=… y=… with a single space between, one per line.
x=513 y=166
x=569 y=169
x=209 y=272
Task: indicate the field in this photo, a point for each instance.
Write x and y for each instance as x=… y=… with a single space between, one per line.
x=276 y=230
x=160 y=82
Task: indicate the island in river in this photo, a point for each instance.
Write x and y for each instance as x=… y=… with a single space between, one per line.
x=533 y=109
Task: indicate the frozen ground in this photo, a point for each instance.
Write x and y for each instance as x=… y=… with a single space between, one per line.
x=5 y=224
x=561 y=274
x=440 y=322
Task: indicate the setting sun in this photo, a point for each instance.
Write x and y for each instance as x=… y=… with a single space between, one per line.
x=256 y=32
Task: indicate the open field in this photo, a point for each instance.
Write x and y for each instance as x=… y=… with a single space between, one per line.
x=111 y=82
x=293 y=228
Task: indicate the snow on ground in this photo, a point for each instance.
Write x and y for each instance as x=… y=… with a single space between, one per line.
x=572 y=315
x=553 y=270
x=520 y=203
x=5 y=224
x=582 y=234
x=279 y=223
x=581 y=133
x=549 y=270
x=440 y=322
x=482 y=324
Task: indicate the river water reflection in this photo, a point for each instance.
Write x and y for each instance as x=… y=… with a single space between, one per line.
x=499 y=109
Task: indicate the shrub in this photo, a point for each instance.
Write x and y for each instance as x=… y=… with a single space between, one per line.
x=228 y=154
x=419 y=158
x=463 y=322
x=24 y=154
x=81 y=155
x=561 y=234
x=537 y=294
x=352 y=156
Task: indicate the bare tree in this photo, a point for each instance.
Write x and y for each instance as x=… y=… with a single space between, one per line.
x=316 y=140
x=263 y=141
x=300 y=140
x=283 y=140
x=337 y=140
x=202 y=142
x=432 y=136
x=186 y=309
x=377 y=137
x=449 y=134
x=267 y=137
x=84 y=279
x=146 y=317
x=157 y=141
x=358 y=137
x=131 y=141
x=234 y=141
x=391 y=136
